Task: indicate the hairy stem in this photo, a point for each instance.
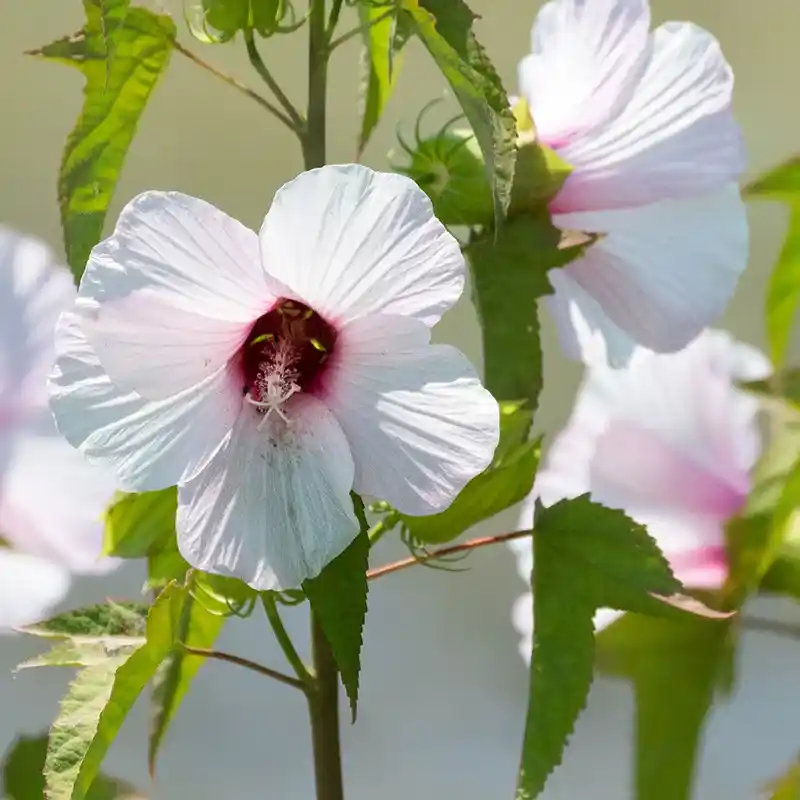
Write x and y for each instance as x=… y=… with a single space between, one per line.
x=465 y=547
x=323 y=700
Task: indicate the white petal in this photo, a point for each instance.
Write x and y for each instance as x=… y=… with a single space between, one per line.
x=663 y=272
x=53 y=499
x=29 y=588
x=585 y=331
x=522 y=619
x=605 y=617
x=350 y=242
x=419 y=423
x=34 y=290
x=172 y=294
x=273 y=506
x=676 y=137
x=586 y=61
x=148 y=444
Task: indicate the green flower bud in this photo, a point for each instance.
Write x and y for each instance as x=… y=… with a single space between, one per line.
x=450 y=169
x=220 y=20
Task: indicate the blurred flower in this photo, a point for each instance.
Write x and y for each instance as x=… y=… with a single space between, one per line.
x=645 y=121
x=268 y=375
x=51 y=499
x=670 y=440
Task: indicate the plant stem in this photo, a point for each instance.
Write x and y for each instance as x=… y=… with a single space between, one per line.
x=323 y=700
x=333 y=19
x=247 y=664
x=260 y=67
x=345 y=37
x=285 y=642
x=323 y=709
x=472 y=544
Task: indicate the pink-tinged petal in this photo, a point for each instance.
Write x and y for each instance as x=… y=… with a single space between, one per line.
x=419 y=423
x=29 y=588
x=273 y=506
x=172 y=294
x=53 y=500
x=149 y=347
x=675 y=138
x=587 y=57
x=148 y=444
x=34 y=290
x=634 y=467
x=351 y=242
x=663 y=272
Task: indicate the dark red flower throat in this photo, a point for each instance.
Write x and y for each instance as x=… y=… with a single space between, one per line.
x=285 y=353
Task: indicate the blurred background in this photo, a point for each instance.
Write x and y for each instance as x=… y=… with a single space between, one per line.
x=444 y=690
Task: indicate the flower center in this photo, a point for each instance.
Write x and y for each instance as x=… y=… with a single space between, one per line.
x=285 y=353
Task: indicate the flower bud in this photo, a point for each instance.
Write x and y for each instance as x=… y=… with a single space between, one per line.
x=450 y=169
x=220 y=20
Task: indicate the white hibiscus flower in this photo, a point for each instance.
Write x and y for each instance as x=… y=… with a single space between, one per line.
x=269 y=375
x=51 y=500
x=671 y=441
x=645 y=119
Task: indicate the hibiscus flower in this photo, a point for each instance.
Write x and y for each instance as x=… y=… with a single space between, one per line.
x=268 y=375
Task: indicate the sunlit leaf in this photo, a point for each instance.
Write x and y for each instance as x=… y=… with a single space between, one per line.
x=508 y=480
x=381 y=60
x=99 y=699
x=100 y=621
x=445 y=28
x=586 y=557
x=338 y=597
x=198 y=627
x=783 y=292
x=788 y=786
x=122 y=51
x=136 y=524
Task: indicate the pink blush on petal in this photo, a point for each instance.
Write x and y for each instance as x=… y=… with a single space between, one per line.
x=701 y=568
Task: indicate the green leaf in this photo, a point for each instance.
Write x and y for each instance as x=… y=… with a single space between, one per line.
x=338 y=597
x=507 y=480
x=783 y=292
x=445 y=28
x=381 y=59
x=788 y=786
x=509 y=273
x=165 y=564
x=586 y=557
x=138 y=524
x=110 y=619
x=674 y=666
x=198 y=627
x=99 y=700
x=122 y=51
x=23 y=775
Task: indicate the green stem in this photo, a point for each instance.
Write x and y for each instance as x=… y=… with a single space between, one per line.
x=285 y=642
x=323 y=710
x=333 y=19
x=298 y=124
x=345 y=37
x=247 y=664
x=323 y=700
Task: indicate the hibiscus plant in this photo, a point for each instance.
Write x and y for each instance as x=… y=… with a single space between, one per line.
x=249 y=412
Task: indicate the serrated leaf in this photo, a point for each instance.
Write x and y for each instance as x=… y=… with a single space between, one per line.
x=23 y=775
x=198 y=628
x=783 y=291
x=674 y=666
x=507 y=480
x=509 y=274
x=138 y=524
x=122 y=51
x=445 y=28
x=165 y=564
x=381 y=62
x=105 y=620
x=586 y=557
x=100 y=698
x=338 y=597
